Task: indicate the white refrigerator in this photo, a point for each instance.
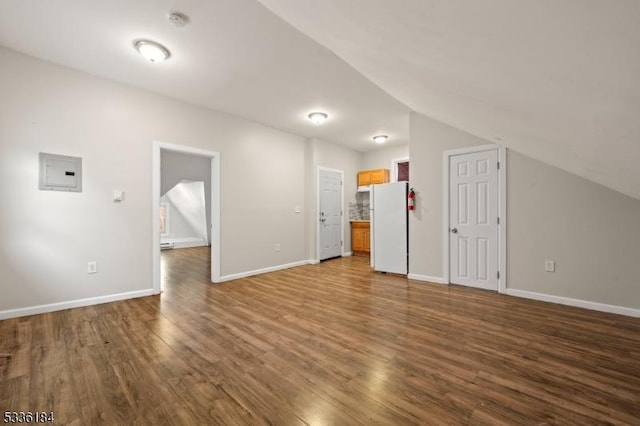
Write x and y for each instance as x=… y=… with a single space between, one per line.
x=389 y=228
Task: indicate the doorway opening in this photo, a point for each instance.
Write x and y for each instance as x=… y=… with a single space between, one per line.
x=474 y=217
x=203 y=226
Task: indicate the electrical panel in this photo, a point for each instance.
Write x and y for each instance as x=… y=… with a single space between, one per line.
x=60 y=173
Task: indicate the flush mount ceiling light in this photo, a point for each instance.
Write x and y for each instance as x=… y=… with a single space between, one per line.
x=380 y=138
x=152 y=51
x=318 y=117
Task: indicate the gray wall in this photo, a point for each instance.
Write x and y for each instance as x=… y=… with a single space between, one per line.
x=381 y=158
x=176 y=167
x=592 y=232
x=48 y=237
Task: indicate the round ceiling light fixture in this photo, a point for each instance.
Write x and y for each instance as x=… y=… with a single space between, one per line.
x=152 y=51
x=318 y=117
x=380 y=138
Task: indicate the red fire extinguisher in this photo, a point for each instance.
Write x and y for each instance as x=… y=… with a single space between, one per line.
x=411 y=200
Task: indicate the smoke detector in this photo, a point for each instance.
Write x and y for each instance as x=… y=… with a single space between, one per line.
x=178 y=19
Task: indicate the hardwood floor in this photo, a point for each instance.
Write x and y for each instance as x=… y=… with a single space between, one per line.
x=328 y=344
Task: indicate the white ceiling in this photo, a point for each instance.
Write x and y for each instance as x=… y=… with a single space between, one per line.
x=558 y=80
x=233 y=56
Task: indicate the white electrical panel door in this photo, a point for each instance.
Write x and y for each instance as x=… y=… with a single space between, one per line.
x=60 y=173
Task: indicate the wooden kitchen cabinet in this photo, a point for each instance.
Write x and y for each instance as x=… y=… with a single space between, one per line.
x=364 y=178
x=360 y=237
x=370 y=177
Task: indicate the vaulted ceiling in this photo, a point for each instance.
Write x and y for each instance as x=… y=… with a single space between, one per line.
x=233 y=56
x=558 y=80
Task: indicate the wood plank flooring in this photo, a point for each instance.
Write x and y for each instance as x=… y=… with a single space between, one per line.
x=328 y=344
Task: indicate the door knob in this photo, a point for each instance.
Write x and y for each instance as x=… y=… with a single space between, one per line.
x=454 y=230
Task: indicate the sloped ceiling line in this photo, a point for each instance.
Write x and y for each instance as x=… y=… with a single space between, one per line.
x=555 y=80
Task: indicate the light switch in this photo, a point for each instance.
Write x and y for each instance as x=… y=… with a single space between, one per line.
x=118 y=196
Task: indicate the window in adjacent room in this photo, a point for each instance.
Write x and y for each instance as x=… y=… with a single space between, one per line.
x=164 y=219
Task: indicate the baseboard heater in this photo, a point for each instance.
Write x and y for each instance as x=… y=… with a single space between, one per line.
x=166 y=245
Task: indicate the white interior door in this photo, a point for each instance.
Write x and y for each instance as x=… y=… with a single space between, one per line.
x=473 y=219
x=330 y=213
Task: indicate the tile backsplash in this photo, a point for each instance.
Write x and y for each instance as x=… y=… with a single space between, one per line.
x=360 y=209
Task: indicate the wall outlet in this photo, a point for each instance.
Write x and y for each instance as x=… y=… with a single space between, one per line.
x=549 y=266
x=297 y=209
x=277 y=247
x=92 y=267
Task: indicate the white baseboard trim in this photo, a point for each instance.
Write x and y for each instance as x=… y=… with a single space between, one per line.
x=313 y=261
x=428 y=278
x=185 y=242
x=602 y=307
x=188 y=245
x=347 y=253
x=79 y=303
x=264 y=270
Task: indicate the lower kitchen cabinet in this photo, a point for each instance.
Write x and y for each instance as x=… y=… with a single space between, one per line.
x=360 y=237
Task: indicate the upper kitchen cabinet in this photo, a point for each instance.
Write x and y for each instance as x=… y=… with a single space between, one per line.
x=371 y=177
